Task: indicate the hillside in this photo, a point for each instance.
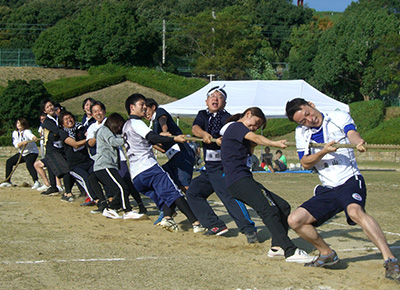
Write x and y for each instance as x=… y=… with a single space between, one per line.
x=113 y=97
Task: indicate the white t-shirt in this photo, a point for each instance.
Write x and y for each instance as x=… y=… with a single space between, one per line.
x=337 y=167
x=25 y=135
x=139 y=150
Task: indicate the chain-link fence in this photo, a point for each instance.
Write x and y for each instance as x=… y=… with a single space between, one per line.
x=17 y=57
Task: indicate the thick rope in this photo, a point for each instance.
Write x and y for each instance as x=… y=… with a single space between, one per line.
x=367 y=146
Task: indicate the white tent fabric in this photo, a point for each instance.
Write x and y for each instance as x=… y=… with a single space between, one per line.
x=270 y=96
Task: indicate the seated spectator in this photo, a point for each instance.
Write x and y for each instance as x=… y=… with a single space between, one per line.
x=280 y=161
x=29 y=151
x=266 y=160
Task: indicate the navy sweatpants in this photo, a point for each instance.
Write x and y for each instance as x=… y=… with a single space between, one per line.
x=202 y=187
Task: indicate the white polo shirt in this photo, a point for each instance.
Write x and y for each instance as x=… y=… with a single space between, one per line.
x=337 y=167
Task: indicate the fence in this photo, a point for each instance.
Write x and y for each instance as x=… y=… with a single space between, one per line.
x=17 y=57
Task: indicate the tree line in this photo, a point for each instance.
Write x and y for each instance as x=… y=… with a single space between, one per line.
x=356 y=58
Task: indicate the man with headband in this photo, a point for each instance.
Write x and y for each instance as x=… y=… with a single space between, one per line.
x=207 y=125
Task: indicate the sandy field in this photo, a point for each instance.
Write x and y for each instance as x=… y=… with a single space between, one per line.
x=49 y=244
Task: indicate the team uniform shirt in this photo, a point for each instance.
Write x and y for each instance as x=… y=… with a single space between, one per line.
x=51 y=134
x=334 y=168
x=138 y=149
x=25 y=135
x=74 y=156
x=235 y=152
x=211 y=152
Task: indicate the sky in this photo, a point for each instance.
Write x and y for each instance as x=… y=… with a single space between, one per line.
x=327 y=5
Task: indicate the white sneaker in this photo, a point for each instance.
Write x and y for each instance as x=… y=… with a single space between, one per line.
x=134 y=215
x=44 y=187
x=36 y=185
x=276 y=253
x=111 y=213
x=6 y=184
x=169 y=225
x=198 y=229
x=61 y=189
x=300 y=256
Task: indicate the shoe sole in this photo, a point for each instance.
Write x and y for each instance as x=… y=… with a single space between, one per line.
x=112 y=217
x=221 y=232
x=143 y=217
x=328 y=264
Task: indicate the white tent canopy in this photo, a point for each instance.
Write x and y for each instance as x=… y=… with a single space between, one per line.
x=270 y=96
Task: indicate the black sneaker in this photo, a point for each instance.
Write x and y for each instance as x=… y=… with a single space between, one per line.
x=216 y=231
x=252 y=238
x=64 y=198
x=142 y=209
x=50 y=192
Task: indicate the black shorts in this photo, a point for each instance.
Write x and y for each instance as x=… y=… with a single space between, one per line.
x=329 y=201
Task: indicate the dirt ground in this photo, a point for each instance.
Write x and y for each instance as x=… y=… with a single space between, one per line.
x=49 y=244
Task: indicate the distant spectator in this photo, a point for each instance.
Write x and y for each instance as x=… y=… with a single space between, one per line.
x=280 y=161
x=266 y=159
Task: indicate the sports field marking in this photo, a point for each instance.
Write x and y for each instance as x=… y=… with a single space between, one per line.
x=365 y=249
x=81 y=260
x=347 y=226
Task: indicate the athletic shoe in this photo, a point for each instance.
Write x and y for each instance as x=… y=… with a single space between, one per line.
x=323 y=261
x=6 y=184
x=198 y=229
x=44 y=187
x=111 y=213
x=215 y=231
x=134 y=215
x=252 y=238
x=159 y=219
x=50 y=192
x=392 y=269
x=272 y=253
x=300 y=256
x=36 y=185
x=71 y=198
x=64 y=198
x=169 y=225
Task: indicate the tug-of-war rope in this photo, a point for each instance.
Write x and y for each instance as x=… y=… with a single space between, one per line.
x=195 y=139
x=366 y=146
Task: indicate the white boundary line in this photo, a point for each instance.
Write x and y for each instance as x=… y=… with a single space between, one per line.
x=81 y=260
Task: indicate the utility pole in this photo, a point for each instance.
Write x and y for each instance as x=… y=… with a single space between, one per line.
x=163 y=43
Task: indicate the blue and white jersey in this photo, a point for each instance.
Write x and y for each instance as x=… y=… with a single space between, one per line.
x=337 y=167
x=138 y=149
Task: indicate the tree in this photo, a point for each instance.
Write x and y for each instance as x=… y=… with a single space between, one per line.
x=350 y=52
x=106 y=33
x=277 y=18
x=304 y=41
x=22 y=99
x=220 y=46
x=59 y=45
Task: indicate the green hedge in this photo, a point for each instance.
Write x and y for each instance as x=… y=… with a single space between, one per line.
x=64 y=89
x=386 y=133
x=167 y=83
x=278 y=127
x=6 y=140
x=367 y=114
